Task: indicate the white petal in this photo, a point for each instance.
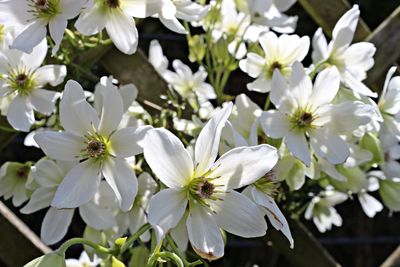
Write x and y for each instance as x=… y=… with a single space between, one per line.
x=329 y=146
x=320 y=47
x=128 y=93
x=52 y=74
x=275 y=124
x=61 y=146
x=122 y=31
x=20 y=114
x=166 y=208
x=31 y=36
x=292 y=48
x=298 y=146
x=76 y=115
x=167 y=158
x=47 y=173
x=204 y=234
x=278 y=89
x=98 y=217
x=238 y=215
x=300 y=85
x=180 y=234
x=207 y=143
x=79 y=185
x=43 y=100
x=71 y=8
x=91 y=20
x=33 y=60
x=173 y=24
x=244 y=165
x=274 y=214
x=360 y=55
x=252 y=65
x=369 y=204
x=141 y=8
x=112 y=109
x=57 y=27
x=55 y=225
x=326 y=87
x=40 y=199
x=128 y=141
x=261 y=85
x=356 y=85
x=122 y=179
x=344 y=29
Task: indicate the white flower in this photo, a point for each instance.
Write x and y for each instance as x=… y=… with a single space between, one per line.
x=187 y=84
x=321 y=210
x=157 y=58
x=22 y=80
x=352 y=61
x=48 y=174
x=305 y=112
x=200 y=191
x=259 y=193
x=96 y=141
x=116 y=17
x=242 y=128
x=137 y=216
x=14 y=177
x=389 y=189
x=83 y=261
x=35 y=16
x=270 y=13
x=389 y=103
x=172 y=10
x=279 y=54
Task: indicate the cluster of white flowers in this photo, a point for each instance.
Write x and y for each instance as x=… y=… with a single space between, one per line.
x=177 y=179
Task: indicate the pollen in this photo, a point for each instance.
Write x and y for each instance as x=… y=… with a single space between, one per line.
x=113 y=3
x=205 y=189
x=22 y=81
x=46 y=9
x=305 y=119
x=95 y=148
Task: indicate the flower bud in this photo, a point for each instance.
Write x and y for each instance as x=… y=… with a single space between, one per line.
x=371 y=143
x=49 y=260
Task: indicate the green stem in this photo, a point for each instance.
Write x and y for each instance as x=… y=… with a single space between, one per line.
x=133 y=237
x=316 y=68
x=267 y=102
x=8 y=129
x=165 y=254
x=78 y=240
x=176 y=251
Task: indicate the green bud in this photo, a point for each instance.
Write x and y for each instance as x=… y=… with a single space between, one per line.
x=390 y=191
x=292 y=171
x=49 y=260
x=139 y=257
x=120 y=241
x=356 y=180
x=116 y=262
x=197 y=48
x=371 y=143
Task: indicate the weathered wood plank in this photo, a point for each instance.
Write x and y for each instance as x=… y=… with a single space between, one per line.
x=393 y=260
x=307 y=250
x=386 y=38
x=326 y=13
x=138 y=70
x=18 y=244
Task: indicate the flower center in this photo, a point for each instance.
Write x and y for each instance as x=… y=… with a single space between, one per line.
x=302 y=119
x=22 y=172
x=270 y=68
x=305 y=119
x=21 y=81
x=46 y=9
x=202 y=189
x=268 y=184
x=112 y=3
x=205 y=189
x=96 y=147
